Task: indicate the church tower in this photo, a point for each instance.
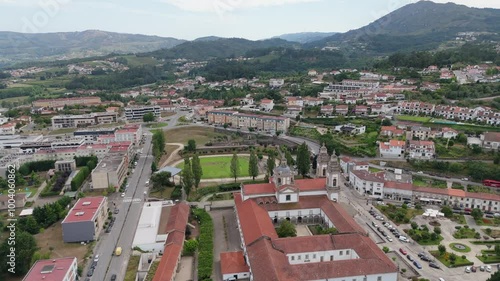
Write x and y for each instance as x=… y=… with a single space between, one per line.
x=333 y=178
x=282 y=174
x=322 y=162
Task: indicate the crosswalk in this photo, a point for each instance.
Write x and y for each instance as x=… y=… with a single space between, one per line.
x=130 y=199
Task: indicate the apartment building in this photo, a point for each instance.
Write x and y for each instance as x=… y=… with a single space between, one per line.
x=91 y=136
x=421 y=133
x=138 y=112
x=271 y=124
x=60 y=103
x=78 y=121
x=63 y=269
x=85 y=220
x=110 y=171
x=366 y=183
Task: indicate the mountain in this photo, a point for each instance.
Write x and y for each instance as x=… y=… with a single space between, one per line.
x=305 y=37
x=21 y=47
x=208 y=38
x=421 y=25
x=218 y=48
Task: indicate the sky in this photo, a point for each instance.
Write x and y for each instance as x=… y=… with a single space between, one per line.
x=191 y=19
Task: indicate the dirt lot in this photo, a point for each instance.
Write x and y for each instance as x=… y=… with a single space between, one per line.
x=201 y=135
x=51 y=238
x=169 y=149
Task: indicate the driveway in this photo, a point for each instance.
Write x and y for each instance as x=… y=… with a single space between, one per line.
x=225 y=225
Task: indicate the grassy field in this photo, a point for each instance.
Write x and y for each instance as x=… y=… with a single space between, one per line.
x=413 y=118
x=219 y=167
x=166 y=194
x=15 y=99
x=133 y=263
x=201 y=135
x=157 y=125
x=445 y=259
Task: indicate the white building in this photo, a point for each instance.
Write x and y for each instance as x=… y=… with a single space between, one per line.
x=392 y=149
x=137 y=113
x=267 y=105
x=366 y=183
x=276 y=83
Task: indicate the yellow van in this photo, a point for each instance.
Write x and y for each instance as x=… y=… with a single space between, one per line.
x=118 y=251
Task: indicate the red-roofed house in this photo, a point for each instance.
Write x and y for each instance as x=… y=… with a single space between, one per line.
x=85 y=220
x=8 y=129
x=392 y=149
x=233 y=265
x=342 y=109
x=64 y=269
x=267 y=105
x=391 y=131
x=421 y=149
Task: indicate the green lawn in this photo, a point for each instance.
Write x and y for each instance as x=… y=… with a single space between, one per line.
x=219 y=167
x=464 y=233
x=489 y=256
x=466 y=250
x=157 y=125
x=413 y=118
x=445 y=259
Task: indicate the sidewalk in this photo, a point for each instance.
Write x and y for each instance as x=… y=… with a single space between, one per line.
x=40 y=189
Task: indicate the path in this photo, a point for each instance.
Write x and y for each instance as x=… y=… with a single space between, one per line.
x=175 y=152
x=40 y=189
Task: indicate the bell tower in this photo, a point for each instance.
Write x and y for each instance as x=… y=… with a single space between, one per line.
x=322 y=162
x=333 y=178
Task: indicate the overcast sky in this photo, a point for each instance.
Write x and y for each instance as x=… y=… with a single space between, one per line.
x=190 y=19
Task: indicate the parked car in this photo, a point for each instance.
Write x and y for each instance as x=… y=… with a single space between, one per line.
x=467 y=269
x=473 y=269
x=488 y=268
x=434 y=265
x=403 y=251
x=389 y=238
x=410 y=258
x=117 y=211
x=123 y=194
x=482 y=268
x=425 y=258
x=90 y=272
x=417 y=265
x=113 y=277
x=96 y=258
x=94 y=264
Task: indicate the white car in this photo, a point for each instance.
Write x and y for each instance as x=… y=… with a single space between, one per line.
x=96 y=258
x=420 y=172
x=123 y=194
x=147 y=182
x=465 y=179
x=389 y=238
x=488 y=268
x=467 y=269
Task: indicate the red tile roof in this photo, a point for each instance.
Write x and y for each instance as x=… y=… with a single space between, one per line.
x=59 y=271
x=85 y=209
x=233 y=262
x=254 y=220
x=260 y=188
x=311 y=184
x=178 y=218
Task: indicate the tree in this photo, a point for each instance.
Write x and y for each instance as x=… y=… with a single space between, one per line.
x=161 y=181
x=286 y=229
x=190 y=247
x=148 y=117
x=441 y=249
x=494 y=277
x=386 y=122
x=497 y=250
x=235 y=167
x=187 y=176
x=303 y=159
x=253 y=165
x=437 y=230
x=197 y=170
x=385 y=249
x=154 y=168
x=25 y=249
x=414 y=225
x=476 y=214
x=29 y=225
x=447 y=211
x=191 y=146
x=271 y=163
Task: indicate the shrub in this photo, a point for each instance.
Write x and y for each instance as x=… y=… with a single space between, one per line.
x=206 y=246
x=385 y=249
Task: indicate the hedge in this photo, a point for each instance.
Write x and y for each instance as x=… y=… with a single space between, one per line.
x=78 y=180
x=206 y=244
x=38 y=166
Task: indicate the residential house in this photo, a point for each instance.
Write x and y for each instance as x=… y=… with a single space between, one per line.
x=491 y=140
x=366 y=183
x=447 y=133
x=85 y=220
x=342 y=109
x=421 y=149
x=391 y=131
x=392 y=149
x=421 y=133
x=361 y=110
x=267 y=105
x=61 y=269
x=276 y=83
x=350 y=129
x=327 y=110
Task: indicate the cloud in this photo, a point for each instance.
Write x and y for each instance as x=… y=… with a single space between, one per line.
x=228 y=5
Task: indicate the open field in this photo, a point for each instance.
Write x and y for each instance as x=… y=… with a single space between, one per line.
x=51 y=240
x=219 y=167
x=413 y=118
x=201 y=135
x=15 y=99
x=157 y=125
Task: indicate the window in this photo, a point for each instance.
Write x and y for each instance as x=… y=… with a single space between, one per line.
x=307 y=257
x=341 y=253
x=293 y=258
x=288 y=197
x=347 y=252
x=331 y=258
x=314 y=256
x=379 y=278
x=299 y=257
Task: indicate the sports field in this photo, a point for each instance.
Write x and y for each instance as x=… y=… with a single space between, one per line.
x=219 y=167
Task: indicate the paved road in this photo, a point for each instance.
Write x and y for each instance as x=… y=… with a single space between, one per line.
x=125 y=225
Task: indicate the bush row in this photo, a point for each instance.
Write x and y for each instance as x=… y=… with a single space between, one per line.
x=206 y=246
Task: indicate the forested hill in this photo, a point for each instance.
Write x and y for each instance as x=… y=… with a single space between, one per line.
x=217 y=48
x=422 y=25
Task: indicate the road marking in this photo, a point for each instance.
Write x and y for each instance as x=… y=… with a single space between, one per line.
x=129 y=199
